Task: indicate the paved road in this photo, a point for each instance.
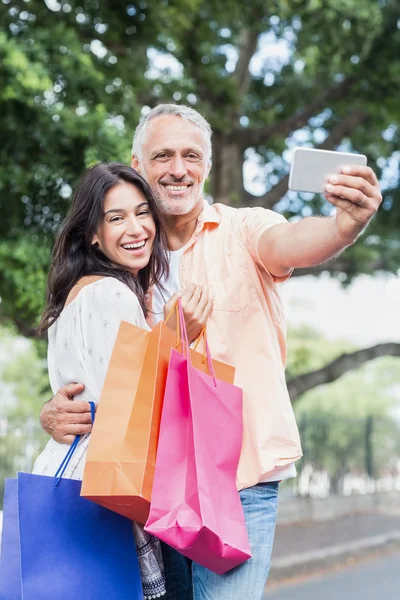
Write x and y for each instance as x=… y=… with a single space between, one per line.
x=370 y=580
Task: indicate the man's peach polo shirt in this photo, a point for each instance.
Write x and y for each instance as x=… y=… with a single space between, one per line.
x=247 y=330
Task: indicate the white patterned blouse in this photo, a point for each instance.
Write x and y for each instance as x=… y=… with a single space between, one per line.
x=80 y=346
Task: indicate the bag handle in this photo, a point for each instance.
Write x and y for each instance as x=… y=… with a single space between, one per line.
x=202 y=336
x=186 y=342
x=167 y=318
x=65 y=462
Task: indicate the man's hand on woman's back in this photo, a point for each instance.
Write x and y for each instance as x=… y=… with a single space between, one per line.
x=64 y=418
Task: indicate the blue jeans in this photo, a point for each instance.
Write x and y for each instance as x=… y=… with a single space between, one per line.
x=186 y=580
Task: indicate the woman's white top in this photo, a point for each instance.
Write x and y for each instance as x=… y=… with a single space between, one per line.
x=80 y=346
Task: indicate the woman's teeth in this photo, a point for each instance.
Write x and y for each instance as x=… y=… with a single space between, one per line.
x=134 y=246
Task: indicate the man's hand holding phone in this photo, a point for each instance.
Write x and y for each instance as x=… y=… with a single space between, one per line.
x=345 y=180
x=356 y=194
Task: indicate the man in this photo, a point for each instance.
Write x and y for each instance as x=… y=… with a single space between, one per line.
x=240 y=255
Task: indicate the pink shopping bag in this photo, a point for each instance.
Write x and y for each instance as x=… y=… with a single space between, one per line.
x=195 y=506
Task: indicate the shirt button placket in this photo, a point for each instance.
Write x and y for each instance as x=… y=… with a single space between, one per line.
x=182 y=276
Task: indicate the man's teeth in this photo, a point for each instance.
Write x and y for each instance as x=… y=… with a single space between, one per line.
x=134 y=246
x=176 y=188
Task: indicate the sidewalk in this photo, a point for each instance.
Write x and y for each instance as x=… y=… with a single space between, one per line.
x=305 y=547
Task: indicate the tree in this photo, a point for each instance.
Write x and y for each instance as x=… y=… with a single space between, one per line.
x=21 y=437
x=349 y=426
x=325 y=93
x=312 y=362
x=74 y=76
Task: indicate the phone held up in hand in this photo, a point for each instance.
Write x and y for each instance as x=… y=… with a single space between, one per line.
x=311 y=167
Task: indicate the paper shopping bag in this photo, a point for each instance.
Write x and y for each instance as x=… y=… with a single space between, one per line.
x=121 y=456
x=10 y=554
x=195 y=506
x=57 y=544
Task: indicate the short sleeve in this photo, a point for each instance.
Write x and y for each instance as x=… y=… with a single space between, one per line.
x=253 y=223
x=103 y=305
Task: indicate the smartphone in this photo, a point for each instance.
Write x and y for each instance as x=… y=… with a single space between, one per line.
x=310 y=168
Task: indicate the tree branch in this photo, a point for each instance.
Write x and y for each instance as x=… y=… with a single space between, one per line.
x=270 y=198
x=22 y=328
x=346 y=362
x=196 y=71
x=247 y=137
x=26 y=330
x=247 y=47
x=341 y=130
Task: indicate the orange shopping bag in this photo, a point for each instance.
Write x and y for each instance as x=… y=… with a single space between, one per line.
x=121 y=456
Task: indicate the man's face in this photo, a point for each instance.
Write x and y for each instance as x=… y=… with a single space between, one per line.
x=174 y=161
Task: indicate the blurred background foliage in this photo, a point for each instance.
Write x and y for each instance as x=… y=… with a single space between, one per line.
x=24 y=388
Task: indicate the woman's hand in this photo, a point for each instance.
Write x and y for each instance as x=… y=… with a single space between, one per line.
x=197 y=305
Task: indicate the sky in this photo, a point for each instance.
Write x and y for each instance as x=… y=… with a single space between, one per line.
x=366 y=313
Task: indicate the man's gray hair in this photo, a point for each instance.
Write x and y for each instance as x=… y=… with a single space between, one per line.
x=177 y=110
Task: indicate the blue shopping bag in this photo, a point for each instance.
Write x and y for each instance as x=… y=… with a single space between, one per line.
x=10 y=556
x=58 y=545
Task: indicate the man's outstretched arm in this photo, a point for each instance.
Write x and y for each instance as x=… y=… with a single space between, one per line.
x=64 y=418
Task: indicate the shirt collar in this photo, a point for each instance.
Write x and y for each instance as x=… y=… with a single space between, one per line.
x=208 y=215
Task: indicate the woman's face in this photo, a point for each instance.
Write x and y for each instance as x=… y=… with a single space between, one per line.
x=127 y=231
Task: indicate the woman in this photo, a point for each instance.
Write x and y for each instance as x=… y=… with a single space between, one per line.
x=110 y=250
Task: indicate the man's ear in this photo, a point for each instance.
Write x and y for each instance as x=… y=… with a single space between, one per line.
x=135 y=164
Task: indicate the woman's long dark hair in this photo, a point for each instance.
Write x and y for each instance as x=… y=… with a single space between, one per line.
x=74 y=255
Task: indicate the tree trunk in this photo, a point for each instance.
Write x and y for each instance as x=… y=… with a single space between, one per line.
x=227 y=171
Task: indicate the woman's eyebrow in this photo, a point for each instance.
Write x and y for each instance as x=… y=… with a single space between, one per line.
x=114 y=210
x=122 y=210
